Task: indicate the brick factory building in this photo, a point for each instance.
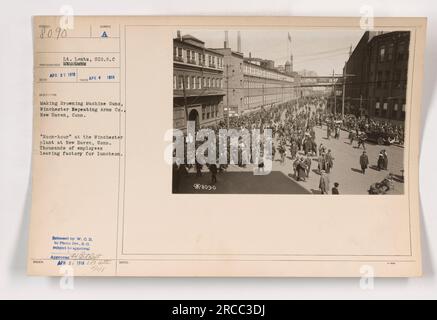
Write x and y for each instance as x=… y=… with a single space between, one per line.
x=252 y=83
x=197 y=83
x=379 y=69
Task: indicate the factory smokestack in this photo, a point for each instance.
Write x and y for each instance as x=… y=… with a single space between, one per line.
x=226 y=40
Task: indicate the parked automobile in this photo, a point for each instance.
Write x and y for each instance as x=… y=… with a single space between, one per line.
x=381 y=138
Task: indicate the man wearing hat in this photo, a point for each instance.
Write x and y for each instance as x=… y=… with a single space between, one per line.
x=380 y=161
x=335 y=188
x=329 y=161
x=364 y=162
x=362 y=140
x=384 y=153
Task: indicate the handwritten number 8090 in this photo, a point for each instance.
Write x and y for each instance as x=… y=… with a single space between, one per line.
x=50 y=33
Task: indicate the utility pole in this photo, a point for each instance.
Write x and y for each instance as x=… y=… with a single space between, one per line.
x=344 y=89
x=344 y=84
x=185 y=99
x=227 y=94
x=248 y=94
x=298 y=91
x=335 y=93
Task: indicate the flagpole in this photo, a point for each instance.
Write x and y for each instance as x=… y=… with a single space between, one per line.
x=288 y=47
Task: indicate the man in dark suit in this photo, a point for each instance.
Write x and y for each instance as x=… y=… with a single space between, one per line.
x=329 y=161
x=364 y=162
x=335 y=189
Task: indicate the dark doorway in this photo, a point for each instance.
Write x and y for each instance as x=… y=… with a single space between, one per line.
x=194 y=116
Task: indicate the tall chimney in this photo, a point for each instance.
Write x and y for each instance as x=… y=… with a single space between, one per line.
x=226 y=40
x=238 y=42
x=178 y=34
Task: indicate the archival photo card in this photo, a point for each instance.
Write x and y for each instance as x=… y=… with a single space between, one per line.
x=226 y=146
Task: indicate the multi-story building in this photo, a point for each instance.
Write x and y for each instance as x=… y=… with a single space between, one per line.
x=378 y=67
x=197 y=83
x=252 y=83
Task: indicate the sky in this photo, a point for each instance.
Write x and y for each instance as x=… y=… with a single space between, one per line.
x=321 y=51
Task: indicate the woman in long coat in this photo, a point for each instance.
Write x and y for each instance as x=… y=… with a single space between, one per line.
x=301 y=170
x=385 y=159
x=329 y=161
x=364 y=162
x=380 y=161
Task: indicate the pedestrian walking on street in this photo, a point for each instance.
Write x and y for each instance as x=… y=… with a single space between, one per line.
x=351 y=136
x=321 y=148
x=308 y=165
x=321 y=162
x=281 y=150
x=324 y=182
x=335 y=188
x=364 y=162
x=362 y=140
x=314 y=148
x=295 y=164
x=380 y=161
x=329 y=161
x=273 y=152
x=260 y=161
x=337 y=132
x=301 y=170
x=307 y=146
x=293 y=150
x=384 y=153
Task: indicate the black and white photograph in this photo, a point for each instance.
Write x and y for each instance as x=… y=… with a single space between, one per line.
x=223 y=158
x=304 y=111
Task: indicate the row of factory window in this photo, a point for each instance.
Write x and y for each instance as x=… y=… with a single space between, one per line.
x=264 y=99
x=210 y=112
x=386 y=52
x=253 y=70
x=195 y=82
x=197 y=58
x=397 y=78
x=394 y=109
x=260 y=85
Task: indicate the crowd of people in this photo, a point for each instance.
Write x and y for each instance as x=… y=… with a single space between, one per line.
x=263 y=118
x=297 y=133
x=394 y=133
x=294 y=137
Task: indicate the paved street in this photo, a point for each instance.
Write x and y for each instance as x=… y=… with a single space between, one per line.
x=346 y=172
